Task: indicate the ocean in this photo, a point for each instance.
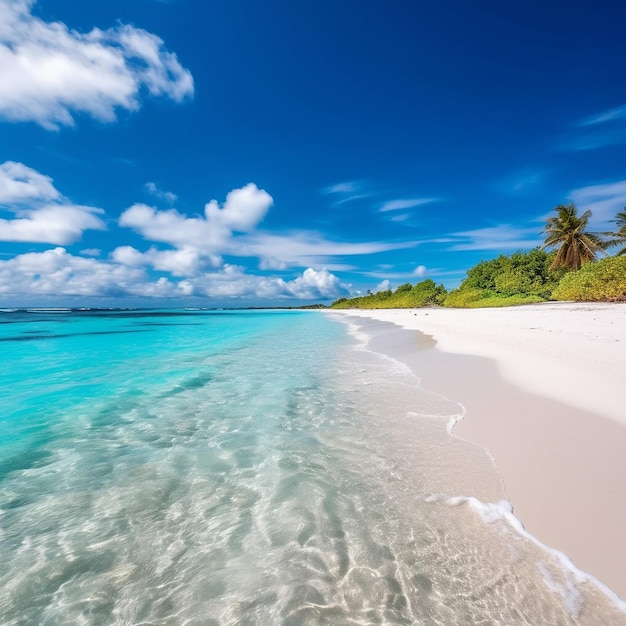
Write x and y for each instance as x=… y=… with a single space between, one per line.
x=250 y=467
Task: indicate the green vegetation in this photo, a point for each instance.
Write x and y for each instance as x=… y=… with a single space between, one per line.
x=525 y=273
x=521 y=278
x=618 y=237
x=424 y=293
x=475 y=298
x=567 y=232
x=569 y=272
x=595 y=282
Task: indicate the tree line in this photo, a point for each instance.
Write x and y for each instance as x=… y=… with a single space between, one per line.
x=565 y=267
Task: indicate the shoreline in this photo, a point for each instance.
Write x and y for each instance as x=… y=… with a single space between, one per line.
x=540 y=388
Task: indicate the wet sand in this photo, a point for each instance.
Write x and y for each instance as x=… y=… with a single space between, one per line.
x=543 y=389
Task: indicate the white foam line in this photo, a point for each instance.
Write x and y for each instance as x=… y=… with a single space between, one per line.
x=494 y=511
x=364 y=339
x=490 y=512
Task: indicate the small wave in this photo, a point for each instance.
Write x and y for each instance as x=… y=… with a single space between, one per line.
x=570 y=592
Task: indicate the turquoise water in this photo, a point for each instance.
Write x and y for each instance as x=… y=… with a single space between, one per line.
x=248 y=467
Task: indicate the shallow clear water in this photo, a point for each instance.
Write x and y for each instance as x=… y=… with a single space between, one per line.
x=248 y=467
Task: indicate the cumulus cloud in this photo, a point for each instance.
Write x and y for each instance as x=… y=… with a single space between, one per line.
x=49 y=73
x=315 y=284
x=232 y=229
x=384 y=285
x=272 y=263
x=232 y=282
x=57 y=273
x=419 y=271
x=20 y=184
x=41 y=213
x=243 y=210
x=183 y=262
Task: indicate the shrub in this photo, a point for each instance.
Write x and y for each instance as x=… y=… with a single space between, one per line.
x=520 y=273
x=404 y=287
x=463 y=298
x=496 y=301
x=424 y=293
x=602 y=281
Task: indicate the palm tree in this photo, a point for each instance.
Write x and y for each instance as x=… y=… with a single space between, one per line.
x=567 y=232
x=618 y=236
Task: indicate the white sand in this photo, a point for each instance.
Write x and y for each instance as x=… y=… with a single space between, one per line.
x=575 y=353
x=552 y=412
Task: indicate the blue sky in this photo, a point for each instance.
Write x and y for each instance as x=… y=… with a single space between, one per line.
x=238 y=152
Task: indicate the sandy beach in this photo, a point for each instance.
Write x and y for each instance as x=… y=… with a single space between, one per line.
x=543 y=390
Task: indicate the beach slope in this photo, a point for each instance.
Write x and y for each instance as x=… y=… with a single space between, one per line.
x=543 y=389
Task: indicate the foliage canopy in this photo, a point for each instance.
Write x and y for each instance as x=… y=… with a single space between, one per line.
x=567 y=232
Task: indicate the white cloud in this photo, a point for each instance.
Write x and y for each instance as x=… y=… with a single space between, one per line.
x=407 y=203
x=502 y=237
x=42 y=214
x=50 y=73
x=315 y=284
x=599 y=130
x=57 y=224
x=604 y=201
x=232 y=230
x=383 y=286
x=91 y=252
x=58 y=274
x=304 y=248
x=346 y=192
x=272 y=263
x=232 y=282
x=523 y=181
x=20 y=184
x=603 y=117
x=182 y=262
x=167 y=196
x=347 y=187
x=243 y=210
x=419 y=271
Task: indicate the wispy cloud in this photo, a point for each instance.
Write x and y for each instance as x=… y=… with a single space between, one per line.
x=303 y=248
x=405 y=203
x=604 y=201
x=522 y=181
x=346 y=187
x=402 y=217
x=609 y=115
x=166 y=196
x=50 y=73
x=347 y=191
x=498 y=238
x=599 y=130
